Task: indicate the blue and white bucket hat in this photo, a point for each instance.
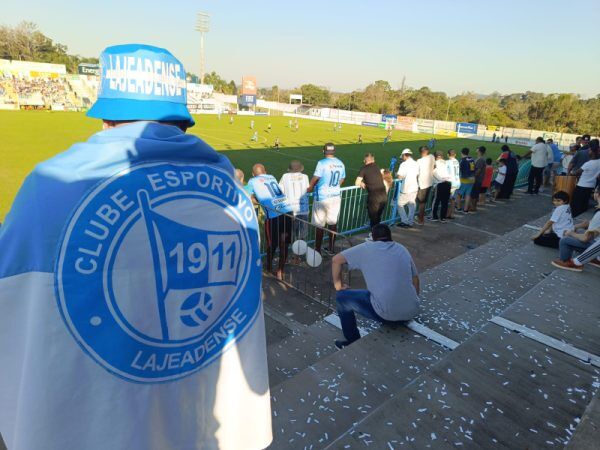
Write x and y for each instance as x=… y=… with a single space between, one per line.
x=141 y=82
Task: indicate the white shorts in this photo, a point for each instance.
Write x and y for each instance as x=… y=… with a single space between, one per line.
x=406 y=198
x=326 y=212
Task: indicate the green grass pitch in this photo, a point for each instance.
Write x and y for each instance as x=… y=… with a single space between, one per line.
x=29 y=137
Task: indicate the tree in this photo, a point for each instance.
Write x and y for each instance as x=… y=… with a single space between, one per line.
x=25 y=42
x=315 y=95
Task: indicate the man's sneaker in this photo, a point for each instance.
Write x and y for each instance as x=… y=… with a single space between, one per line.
x=402 y=225
x=595 y=263
x=434 y=219
x=341 y=344
x=327 y=252
x=567 y=265
x=443 y=221
x=420 y=223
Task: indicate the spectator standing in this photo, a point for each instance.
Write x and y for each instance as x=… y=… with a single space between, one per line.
x=442 y=186
x=479 y=176
x=588 y=179
x=407 y=173
x=512 y=171
x=426 y=164
x=392 y=293
x=560 y=222
x=388 y=179
x=566 y=161
x=326 y=183
x=467 y=178
x=370 y=178
x=76 y=373
x=582 y=155
x=278 y=223
x=548 y=169
x=539 y=161
x=487 y=180
x=453 y=167
x=294 y=185
x=500 y=178
x=557 y=157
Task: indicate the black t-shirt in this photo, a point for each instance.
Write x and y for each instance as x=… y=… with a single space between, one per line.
x=371 y=176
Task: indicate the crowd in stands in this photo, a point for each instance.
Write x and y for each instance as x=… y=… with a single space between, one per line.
x=39 y=91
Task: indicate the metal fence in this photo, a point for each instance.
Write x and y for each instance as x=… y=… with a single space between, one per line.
x=353 y=216
x=309 y=271
x=306 y=269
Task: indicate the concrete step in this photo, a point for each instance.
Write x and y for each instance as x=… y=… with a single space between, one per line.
x=455 y=270
x=289 y=302
x=299 y=350
x=496 y=389
x=324 y=400
x=564 y=306
x=460 y=310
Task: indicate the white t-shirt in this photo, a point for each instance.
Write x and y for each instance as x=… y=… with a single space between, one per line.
x=566 y=161
x=539 y=156
x=408 y=172
x=563 y=220
x=387 y=268
x=426 y=165
x=595 y=222
x=294 y=186
x=591 y=170
x=501 y=176
x=440 y=173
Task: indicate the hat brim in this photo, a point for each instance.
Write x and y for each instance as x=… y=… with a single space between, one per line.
x=127 y=109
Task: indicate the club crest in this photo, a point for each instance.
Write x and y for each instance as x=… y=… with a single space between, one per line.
x=159 y=271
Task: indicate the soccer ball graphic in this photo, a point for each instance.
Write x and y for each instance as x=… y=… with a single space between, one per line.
x=195 y=309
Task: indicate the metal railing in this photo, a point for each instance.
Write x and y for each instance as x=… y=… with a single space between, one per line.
x=306 y=270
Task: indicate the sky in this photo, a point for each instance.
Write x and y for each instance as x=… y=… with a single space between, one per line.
x=453 y=46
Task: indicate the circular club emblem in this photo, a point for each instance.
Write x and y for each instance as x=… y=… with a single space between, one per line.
x=159 y=270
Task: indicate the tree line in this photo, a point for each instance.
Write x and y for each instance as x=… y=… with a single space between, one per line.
x=562 y=112
x=26 y=42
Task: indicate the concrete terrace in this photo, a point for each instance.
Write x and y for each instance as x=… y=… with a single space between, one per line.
x=481 y=277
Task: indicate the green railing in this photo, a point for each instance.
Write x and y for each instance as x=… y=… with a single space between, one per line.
x=353 y=215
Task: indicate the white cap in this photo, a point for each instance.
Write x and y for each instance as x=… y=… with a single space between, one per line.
x=406 y=151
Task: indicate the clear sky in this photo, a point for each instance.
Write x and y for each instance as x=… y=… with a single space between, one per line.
x=448 y=45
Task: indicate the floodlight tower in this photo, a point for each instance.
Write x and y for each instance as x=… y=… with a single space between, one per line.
x=203 y=26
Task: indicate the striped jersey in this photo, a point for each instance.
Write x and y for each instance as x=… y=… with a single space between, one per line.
x=294 y=186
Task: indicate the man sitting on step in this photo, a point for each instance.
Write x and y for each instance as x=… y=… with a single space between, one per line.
x=392 y=283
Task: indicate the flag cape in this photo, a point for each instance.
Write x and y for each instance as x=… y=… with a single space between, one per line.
x=130 y=313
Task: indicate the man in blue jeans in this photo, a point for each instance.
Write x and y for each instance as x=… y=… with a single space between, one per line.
x=392 y=283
